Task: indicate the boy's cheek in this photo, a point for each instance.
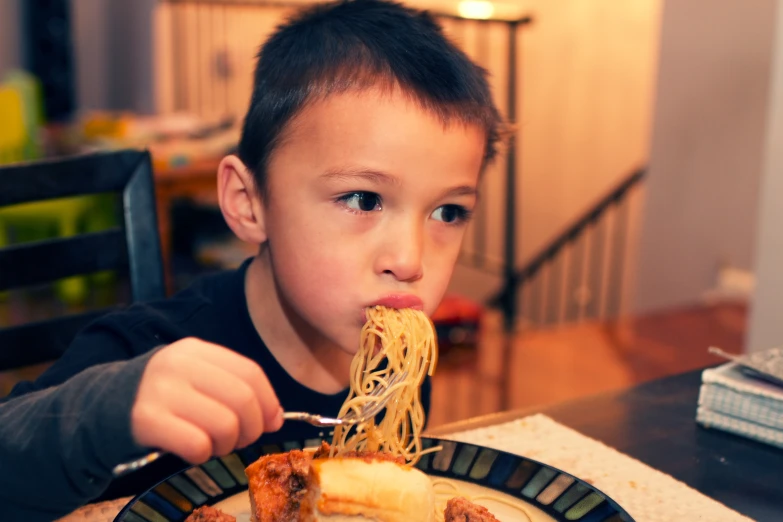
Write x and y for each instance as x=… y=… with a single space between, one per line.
x=432 y=304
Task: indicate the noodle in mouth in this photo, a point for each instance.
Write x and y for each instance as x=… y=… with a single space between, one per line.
x=392 y=341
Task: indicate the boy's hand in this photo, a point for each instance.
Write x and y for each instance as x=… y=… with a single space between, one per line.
x=199 y=400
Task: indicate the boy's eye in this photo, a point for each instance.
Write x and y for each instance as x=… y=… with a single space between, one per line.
x=451 y=214
x=362 y=201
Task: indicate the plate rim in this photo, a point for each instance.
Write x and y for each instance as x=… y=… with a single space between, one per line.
x=619 y=513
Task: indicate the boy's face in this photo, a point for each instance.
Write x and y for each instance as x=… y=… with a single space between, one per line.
x=367 y=202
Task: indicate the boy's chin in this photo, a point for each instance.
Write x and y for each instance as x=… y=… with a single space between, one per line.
x=350 y=352
x=347 y=347
x=354 y=348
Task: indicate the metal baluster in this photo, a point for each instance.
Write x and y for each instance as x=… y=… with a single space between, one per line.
x=510 y=308
x=227 y=61
x=617 y=259
x=595 y=268
x=554 y=286
x=480 y=218
x=178 y=47
x=576 y=269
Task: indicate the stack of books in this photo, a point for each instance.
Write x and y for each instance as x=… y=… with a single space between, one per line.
x=742 y=398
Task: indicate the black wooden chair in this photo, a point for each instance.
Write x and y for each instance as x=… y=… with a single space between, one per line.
x=132 y=248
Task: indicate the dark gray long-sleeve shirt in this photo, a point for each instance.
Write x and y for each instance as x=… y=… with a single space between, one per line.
x=60 y=444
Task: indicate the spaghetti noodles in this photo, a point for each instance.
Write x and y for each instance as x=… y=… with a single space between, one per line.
x=392 y=342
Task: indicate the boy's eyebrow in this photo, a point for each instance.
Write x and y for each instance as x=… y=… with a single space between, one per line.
x=380 y=177
x=352 y=173
x=462 y=190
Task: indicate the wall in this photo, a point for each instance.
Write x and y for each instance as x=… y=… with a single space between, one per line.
x=91 y=54
x=10 y=44
x=113 y=48
x=588 y=71
x=765 y=325
x=706 y=156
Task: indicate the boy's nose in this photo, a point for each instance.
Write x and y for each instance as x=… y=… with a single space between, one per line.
x=401 y=255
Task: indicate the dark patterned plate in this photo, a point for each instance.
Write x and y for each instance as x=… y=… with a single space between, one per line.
x=513 y=488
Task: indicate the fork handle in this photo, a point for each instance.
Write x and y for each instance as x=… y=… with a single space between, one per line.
x=133 y=465
x=315 y=420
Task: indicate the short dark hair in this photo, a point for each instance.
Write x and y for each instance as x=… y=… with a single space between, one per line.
x=358 y=44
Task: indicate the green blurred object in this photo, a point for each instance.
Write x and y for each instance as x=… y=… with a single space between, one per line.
x=21 y=133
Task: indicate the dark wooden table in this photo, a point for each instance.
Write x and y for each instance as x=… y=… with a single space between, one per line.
x=655 y=423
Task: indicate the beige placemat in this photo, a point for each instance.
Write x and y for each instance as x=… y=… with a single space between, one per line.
x=646 y=493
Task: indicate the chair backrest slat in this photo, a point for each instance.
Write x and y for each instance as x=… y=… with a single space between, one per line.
x=141 y=225
x=21 y=266
x=90 y=174
x=133 y=248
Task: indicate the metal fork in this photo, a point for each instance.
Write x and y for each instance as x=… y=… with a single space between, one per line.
x=369 y=411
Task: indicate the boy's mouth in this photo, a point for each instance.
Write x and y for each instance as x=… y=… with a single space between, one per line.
x=394 y=301
x=397 y=301
x=400 y=301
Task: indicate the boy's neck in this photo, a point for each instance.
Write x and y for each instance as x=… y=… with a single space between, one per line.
x=308 y=357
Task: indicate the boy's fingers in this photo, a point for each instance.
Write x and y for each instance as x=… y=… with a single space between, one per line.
x=237 y=395
x=215 y=419
x=251 y=373
x=180 y=437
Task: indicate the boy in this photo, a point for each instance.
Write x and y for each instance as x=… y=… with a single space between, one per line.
x=356 y=174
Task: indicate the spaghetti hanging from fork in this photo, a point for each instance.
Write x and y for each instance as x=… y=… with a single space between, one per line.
x=407 y=347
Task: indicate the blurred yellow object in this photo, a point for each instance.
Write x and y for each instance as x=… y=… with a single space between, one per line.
x=29 y=89
x=106 y=125
x=12 y=131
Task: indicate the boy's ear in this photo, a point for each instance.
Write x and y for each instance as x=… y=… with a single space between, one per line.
x=240 y=201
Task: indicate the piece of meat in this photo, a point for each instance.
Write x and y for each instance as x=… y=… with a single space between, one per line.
x=323 y=452
x=459 y=509
x=276 y=483
x=209 y=514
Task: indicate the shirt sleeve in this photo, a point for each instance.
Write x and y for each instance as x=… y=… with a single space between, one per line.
x=59 y=444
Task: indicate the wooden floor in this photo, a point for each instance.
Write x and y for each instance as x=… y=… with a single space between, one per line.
x=553 y=365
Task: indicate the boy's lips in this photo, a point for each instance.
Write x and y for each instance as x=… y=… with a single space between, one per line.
x=400 y=301
x=396 y=301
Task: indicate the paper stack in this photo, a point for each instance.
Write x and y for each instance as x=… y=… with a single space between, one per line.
x=733 y=401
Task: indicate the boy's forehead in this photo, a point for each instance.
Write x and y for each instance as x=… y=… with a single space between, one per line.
x=377 y=132
x=369 y=106
x=322 y=109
